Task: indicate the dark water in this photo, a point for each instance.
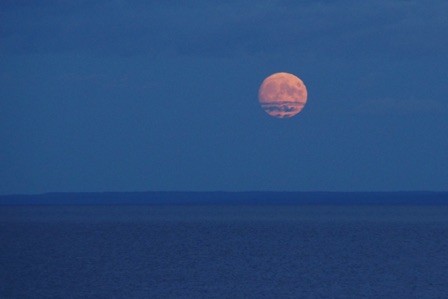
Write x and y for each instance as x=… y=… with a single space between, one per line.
x=223 y=252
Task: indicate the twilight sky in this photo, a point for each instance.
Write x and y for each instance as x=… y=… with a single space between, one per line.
x=140 y=95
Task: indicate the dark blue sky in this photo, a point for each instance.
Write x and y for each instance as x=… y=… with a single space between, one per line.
x=162 y=95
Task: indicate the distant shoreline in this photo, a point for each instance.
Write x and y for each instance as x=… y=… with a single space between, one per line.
x=233 y=198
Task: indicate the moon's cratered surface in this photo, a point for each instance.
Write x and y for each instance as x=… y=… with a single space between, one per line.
x=282 y=95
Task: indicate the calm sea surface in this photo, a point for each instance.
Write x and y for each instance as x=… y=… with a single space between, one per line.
x=223 y=252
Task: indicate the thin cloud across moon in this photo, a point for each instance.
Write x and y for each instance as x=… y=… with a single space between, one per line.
x=282 y=95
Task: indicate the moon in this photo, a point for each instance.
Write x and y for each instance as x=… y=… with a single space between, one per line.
x=282 y=95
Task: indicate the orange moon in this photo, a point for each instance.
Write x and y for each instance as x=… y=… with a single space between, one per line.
x=282 y=95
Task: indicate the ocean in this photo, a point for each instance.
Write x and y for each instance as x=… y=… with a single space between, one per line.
x=223 y=251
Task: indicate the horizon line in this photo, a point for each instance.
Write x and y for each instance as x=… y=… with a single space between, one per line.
x=221 y=191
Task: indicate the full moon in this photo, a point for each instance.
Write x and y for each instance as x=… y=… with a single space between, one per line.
x=282 y=95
